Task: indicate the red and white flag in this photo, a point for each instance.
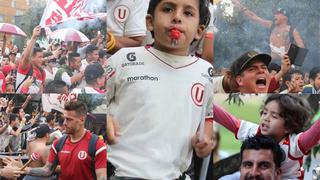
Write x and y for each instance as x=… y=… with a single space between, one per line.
x=58 y=11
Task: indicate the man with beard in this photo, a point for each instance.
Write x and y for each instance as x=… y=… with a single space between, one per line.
x=74 y=156
x=261 y=158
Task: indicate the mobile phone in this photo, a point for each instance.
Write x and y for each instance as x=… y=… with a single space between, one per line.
x=292 y=52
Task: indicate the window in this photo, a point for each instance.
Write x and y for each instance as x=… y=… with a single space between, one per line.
x=1 y=18
x=13 y=3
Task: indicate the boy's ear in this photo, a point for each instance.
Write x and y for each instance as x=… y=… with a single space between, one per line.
x=200 y=31
x=239 y=80
x=149 y=22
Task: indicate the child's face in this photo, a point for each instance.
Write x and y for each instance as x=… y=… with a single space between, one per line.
x=317 y=81
x=181 y=15
x=271 y=123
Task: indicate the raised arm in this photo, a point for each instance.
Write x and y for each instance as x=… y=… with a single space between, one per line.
x=297 y=38
x=251 y=15
x=310 y=138
x=25 y=59
x=226 y=119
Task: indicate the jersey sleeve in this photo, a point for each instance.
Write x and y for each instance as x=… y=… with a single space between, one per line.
x=310 y=138
x=101 y=155
x=135 y=25
x=247 y=129
x=226 y=119
x=53 y=152
x=113 y=72
x=66 y=78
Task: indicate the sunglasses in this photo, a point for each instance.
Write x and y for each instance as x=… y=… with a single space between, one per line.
x=54 y=60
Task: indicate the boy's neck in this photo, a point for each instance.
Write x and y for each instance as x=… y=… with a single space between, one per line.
x=178 y=52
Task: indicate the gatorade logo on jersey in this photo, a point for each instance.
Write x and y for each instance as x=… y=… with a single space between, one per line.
x=82 y=155
x=121 y=13
x=131 y=56
x=197 y=94
x=210 y=71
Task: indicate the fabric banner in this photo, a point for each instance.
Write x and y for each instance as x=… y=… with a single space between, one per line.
x=58 y=11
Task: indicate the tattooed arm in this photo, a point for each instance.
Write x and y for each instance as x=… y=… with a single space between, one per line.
x=44 y=171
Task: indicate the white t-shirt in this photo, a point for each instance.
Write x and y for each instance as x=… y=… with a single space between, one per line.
x=4 y=138
x=127 y=18
x=84 y=64
x=87 y=90
x=49 y=75
x=218 y=85
x=157 y=98
x=291 y=168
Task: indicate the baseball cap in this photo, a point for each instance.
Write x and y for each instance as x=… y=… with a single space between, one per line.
x=282 y=11
x=93 y=71
x=245 y=59
x=42 y=130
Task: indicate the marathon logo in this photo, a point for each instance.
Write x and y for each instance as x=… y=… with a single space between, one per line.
x=142 y=78
x=132 y=64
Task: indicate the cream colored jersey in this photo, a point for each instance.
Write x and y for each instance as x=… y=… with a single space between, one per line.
x=127 y=17
x=157 y=98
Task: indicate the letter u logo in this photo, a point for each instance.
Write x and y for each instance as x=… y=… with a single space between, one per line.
x=121 y=13
x=197 y=94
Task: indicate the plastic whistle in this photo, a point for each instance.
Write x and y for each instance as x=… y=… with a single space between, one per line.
x=175 y=35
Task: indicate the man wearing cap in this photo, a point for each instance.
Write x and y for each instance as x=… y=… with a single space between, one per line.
x=95 y=80
x=251 y=73
x=282 y=34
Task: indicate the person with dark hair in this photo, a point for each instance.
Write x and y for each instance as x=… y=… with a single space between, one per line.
x=314 y=86
x=103 y=57
x=95 y=80
x=72 y=151
x=70 y=73
x=92 y=56
x=144 y=72
x=282 y=34
x=31 y=67
x=12 y=127
x=56 y=86
x=292 y=82
x=50 y=65
x=284 y=117
x=38 y=145
x=261 y=158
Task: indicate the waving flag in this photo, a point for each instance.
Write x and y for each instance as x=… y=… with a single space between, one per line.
x=58 y=11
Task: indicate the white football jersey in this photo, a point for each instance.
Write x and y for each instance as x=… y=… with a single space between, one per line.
x=291 y=168
x=158 y=99
x=127 y=18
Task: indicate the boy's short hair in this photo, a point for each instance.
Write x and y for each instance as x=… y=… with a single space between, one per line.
x=55 y=86
x=295 y=111
x=36 y=50
x=260 y=142
x=288 y=75
x=90 y=48
x=73 y=55
x=78 y=106
x=314 y=72
x=203 y=10
x=12 y=117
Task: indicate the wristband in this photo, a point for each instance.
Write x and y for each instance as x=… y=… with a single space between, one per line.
x=111 y=43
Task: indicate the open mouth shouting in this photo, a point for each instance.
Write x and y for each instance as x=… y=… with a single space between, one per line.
x=261 y=84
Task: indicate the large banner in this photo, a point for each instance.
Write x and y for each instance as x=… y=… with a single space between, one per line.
x=56 y=101
x=58 y=11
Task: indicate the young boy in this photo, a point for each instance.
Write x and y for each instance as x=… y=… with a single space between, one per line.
x=157 y=96
x=283 y=116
